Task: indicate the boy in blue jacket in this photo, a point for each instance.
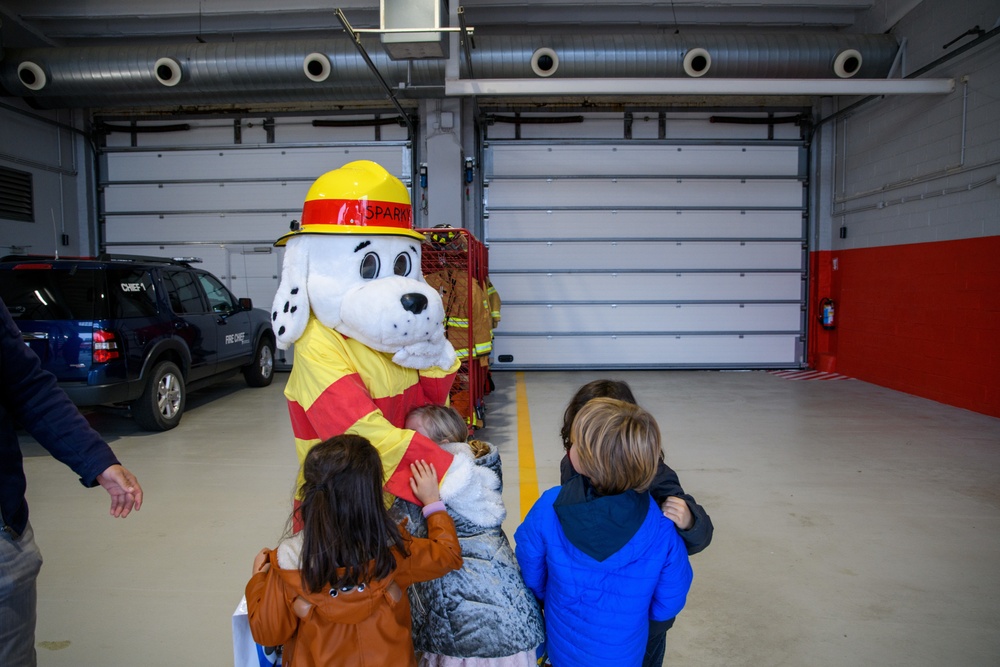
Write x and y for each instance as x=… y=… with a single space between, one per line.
x=597 y=551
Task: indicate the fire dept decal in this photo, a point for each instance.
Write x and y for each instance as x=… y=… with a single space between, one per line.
x=240 y=338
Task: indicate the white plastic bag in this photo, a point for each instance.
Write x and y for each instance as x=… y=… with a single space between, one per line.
x=247 y=652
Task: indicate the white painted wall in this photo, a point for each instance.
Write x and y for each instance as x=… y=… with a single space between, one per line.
x=913 y=169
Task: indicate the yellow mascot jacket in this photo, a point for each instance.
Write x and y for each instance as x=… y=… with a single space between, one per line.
x=339 y=385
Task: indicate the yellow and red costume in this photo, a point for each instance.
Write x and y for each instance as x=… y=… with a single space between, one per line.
x=339 y=385
x=368 y=331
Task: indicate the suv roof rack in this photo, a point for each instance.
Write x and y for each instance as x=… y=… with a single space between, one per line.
x=149 y=259
x=106 y=257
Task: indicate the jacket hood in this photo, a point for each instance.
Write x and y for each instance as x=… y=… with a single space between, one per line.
x=599 y=526
x=350 y=606
x=472 y=490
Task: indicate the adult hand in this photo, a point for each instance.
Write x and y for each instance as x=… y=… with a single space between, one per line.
x=677 y=510
x=124 y=489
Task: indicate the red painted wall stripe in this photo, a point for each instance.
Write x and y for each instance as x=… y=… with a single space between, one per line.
x=921 y=318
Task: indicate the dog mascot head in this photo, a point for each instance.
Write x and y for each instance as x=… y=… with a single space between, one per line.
x=354 y=263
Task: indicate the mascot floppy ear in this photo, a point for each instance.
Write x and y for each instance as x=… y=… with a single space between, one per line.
x=290 y=310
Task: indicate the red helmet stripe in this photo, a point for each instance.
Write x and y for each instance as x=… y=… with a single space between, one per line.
x=356 y=212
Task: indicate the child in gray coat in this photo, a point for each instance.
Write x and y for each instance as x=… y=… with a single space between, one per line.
x=481 y=615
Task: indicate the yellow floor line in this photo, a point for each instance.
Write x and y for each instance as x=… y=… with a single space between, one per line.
x=526 y=469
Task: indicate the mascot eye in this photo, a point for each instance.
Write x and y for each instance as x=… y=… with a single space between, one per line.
x=370 y=266
x=403 y=265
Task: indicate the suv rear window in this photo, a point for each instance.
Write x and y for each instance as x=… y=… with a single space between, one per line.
x=183 y=292
x=133 y=292
x=37 y=292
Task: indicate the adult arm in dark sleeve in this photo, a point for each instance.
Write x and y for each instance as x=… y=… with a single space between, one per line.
x=33 y=399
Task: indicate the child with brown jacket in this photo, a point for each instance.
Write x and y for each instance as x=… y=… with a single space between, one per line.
x=335 y=593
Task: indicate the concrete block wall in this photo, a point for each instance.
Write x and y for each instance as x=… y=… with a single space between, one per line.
x=914 y=185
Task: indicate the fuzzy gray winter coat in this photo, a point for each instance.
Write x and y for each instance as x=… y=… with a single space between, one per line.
x=482 y=610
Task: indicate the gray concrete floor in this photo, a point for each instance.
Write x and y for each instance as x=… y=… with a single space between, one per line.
x=854 y=525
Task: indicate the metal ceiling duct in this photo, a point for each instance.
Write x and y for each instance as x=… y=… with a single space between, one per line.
x=290 y=71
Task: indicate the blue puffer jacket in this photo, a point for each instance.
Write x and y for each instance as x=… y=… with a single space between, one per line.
x=603 y=566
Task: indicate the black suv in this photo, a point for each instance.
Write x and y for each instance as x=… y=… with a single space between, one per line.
x=136 y=331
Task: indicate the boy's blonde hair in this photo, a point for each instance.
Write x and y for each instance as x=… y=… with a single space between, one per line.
x=618 y=445
x=442 y=423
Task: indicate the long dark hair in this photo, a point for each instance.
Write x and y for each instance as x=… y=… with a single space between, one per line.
x=348 y=536
x=618 y=389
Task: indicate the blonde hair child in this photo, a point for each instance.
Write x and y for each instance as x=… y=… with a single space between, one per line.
x=481 y=615
x=597 y=551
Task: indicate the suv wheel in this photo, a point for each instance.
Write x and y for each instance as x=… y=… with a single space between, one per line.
x=162 y=401
x=261 y=371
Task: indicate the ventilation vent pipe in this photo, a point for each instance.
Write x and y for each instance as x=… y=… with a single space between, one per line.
x=31 y=75
x=847 y=63
x=697 y=62
x=317 y=67
x=290 y=71
x=544 y=61
x=168 y=71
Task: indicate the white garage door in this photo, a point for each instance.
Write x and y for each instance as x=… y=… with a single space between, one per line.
x=223 y=190
x=663 y=252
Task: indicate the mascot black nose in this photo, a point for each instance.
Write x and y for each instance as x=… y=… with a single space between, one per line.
x=414 y=302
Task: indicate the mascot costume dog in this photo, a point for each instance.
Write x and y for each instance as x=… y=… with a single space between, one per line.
x=368 y=330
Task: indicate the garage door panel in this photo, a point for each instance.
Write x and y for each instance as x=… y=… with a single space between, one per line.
x=254 y=272
x=245 y=163
x=212 y=258
x=593 y=352
x=626 y=224
x=632 y=255
x=202 y=193
x=645 y=318
x=190 y=197
x=592 y=286
x=645 y=160
x=644 y=193
x=665 y=243
x=215 y=227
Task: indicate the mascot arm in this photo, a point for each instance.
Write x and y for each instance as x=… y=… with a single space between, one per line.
x=402 y=447
x=345 y=407
x=436 y=382
x=327 y=396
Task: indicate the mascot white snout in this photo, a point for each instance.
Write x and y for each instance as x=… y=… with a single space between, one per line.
x=368 y=330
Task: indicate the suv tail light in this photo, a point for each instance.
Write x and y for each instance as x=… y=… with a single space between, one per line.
x=105 y=346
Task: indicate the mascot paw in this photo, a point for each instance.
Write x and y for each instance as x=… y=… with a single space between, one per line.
x=426 y=354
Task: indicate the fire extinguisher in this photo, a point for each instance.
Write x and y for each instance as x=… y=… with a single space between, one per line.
x=826 y=313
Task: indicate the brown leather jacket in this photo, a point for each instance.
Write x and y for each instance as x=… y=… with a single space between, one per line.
x=367 y=628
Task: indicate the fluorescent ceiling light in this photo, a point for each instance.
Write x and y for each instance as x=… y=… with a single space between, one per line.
x=701 y=86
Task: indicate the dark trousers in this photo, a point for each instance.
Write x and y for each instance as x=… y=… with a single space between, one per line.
x=656 y=644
